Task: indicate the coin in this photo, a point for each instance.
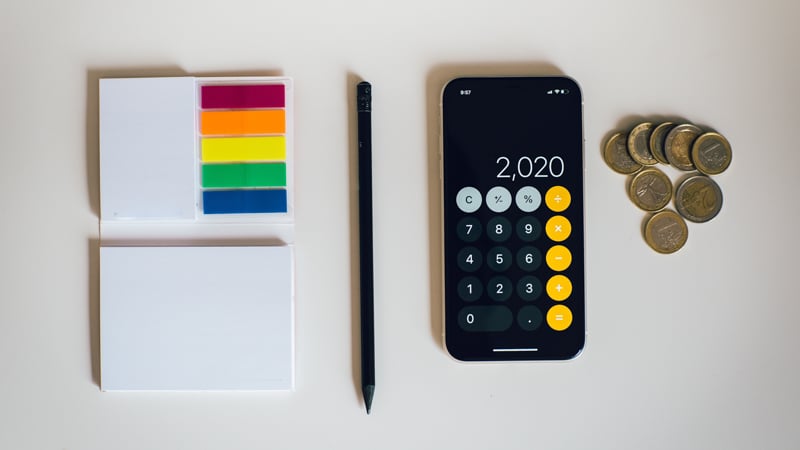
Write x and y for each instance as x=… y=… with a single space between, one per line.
x=678 y=145
x=657 y=138
x=650 y=189
x=617 y=156
x=711 y=153
x=639 y=144
x=666 y=232
x=698 y=198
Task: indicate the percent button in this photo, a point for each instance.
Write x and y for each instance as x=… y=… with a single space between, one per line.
x=528 y=199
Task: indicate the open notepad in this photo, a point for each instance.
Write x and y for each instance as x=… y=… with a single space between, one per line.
x=196 y=233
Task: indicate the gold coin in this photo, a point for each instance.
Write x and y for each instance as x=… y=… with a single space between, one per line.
x=711 y=153
x=678 y=145
x=617 y=157
x=650 y=189
x=666 y=232
x=639 y=144
x=657 y=138
x=698 y=198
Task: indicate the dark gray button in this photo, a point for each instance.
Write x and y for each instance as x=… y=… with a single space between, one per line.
x=499 y=289
x=470 y=289
x=529 y=258
x=469 y=259
x=469 y=229
x=485 y=318
x=499 y=258
x=529 y=288
x=498 y=229
x=529 y=318
x=529 y=228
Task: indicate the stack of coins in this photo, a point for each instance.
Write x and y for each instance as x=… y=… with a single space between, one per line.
x=685 y=147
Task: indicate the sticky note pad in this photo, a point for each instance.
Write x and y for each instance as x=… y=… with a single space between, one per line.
x=196 y=318
x=196 y=233
x=148 y=148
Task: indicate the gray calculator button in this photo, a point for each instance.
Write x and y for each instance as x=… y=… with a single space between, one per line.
x=469 y=229
x=499 y=259
x=485 y=318
x=470 y=289
x=498 y=229
x=529 y=258
x=498 y=199
x=529 y=228
x=529 y=288
x=469 y=259
x=529 y=318
x=528 y=199
x=499 y=288
x=468 y=199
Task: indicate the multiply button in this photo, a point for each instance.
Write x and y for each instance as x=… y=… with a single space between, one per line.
x=468 y=199
x=498 y=199
x=558 y=258
x=558 y=228
x=559 y=287
x=557 y=198
x=559 y=317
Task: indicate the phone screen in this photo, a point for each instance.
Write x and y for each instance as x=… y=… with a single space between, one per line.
x=512 y=172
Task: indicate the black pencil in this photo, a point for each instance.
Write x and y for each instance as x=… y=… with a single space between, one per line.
x=364 y=109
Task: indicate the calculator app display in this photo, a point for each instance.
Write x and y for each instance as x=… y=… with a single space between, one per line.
x=512 y=171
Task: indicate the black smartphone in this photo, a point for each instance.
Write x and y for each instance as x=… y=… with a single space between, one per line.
x=512 y=175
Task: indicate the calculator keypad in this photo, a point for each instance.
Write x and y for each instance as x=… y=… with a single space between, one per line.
x=514 y=247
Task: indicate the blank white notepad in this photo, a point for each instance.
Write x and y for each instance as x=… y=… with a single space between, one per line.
x=196 y=318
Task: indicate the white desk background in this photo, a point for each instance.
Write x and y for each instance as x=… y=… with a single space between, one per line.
x=696 y=350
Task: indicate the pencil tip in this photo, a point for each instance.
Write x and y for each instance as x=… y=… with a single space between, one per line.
x=369 y=392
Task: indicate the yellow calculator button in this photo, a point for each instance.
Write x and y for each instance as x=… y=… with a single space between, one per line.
x=558 y=258
x=558 y=228
x=559 y=317
x=559 y=287
x=557 y=198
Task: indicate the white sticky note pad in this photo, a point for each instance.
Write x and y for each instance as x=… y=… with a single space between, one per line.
x=147 y=141
x=196 y=318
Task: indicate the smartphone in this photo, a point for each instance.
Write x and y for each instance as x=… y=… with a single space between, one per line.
x=513 y=218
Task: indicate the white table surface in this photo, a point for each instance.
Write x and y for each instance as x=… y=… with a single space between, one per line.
x=694 y=350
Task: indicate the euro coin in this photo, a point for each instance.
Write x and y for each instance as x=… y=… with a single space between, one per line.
x=698 y=199
x=650 y=189
x=678 y=145
x=711 y=153
x=666 y=232
x=657 y=138
x=639 y=144
x=617 y=157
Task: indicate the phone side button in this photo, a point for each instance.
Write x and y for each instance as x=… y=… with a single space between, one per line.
x=485 y=318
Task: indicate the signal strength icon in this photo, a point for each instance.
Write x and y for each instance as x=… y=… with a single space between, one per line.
x=550 y=92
